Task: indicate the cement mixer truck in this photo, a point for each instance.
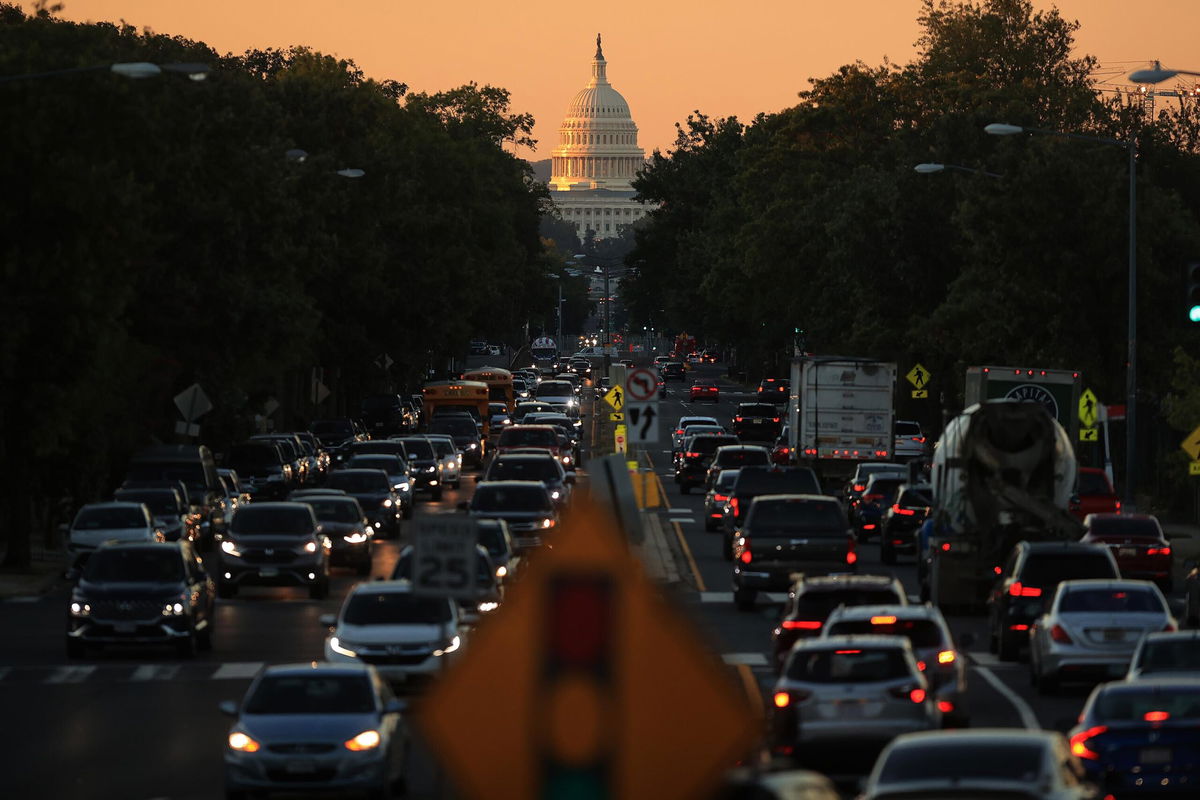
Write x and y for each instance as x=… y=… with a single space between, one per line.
x=1003 y=471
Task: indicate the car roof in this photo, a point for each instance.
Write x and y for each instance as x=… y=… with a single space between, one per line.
x=975 y=736
x=698 y=421
x=1156 y=636
x=120 y=545
x=824 y=498
x=317 y=668
x=395 y=586
x=1109 y=516
x=512 y=484
x=913 y=611
x=277 y=504
x=826 y=582
x=113 y=504
x=858 y=640
x=1104 y=583
x=356 y=471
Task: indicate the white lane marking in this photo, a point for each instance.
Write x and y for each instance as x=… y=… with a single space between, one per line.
x=1028 y=718
x=237 y=670
x=727 y=597
x=71 y=674
x=991 y=661
x=749 y=659
x=155 y=672
x=681 y=511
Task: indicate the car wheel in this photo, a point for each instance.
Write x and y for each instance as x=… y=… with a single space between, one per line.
x=887 y=554
x=76 y=648
x=436 y=494
x=226 y=590
x=320 y=589
x=186 y=648
x=745 y=599
x=1007 y=646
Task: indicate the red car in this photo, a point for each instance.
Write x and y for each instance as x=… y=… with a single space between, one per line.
x=1137 y=543
x=704 y=390
x=1093 y=494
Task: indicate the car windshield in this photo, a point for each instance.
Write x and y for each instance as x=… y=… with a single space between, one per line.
x=455 y=426
x=1125 y=526
x=848 y=665
x=784 y=517
x=395 y=608
x=1170 y=654
x=1094 y=483
x=358 y=482
x=160 y=505
x=923 y=633
x=907 y=429
x=524 y=469
x=1050 y=569
x=335 y=510
x=555 y=388
x=910 y=498
x=253 y=520
x=725 y=480
x=536 y=437
x=819 y=604
x=1110 y=600
x=1019 y=762
x=757 y=410
x=312 y=694
x=1150 y=703
x=443 y=447
x=884 y=486
x=134 y=565
x=492 y=538
x=97 y=519
x=191 y=474
x=419 y=448
x=707 y=445
x=511 y=498
x=740 y=457
x=383 y=403
x=783 y=481
x=388 y=464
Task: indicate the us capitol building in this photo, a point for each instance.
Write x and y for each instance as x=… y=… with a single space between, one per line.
x=596 y=158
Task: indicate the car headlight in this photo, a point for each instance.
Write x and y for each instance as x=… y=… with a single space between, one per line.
x=473 y=446
x=487 y=606
x=367 y=740
x=449 y=647
x=81 y=609
x=310 y=547
x=401 y=487
x=555 y=495
x=431 y=469
x=357 y=537
x=172 y=608
x=230 y=548
x=342 y=647
x=547 y=523
x=387 y=502
x=243 y=743
x=501 y=571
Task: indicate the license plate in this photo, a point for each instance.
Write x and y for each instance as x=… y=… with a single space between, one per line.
x=124 y=627
x=1114 y=635
x=300 y=767
x=756 y=421
x=1155 y=755
x=850 y=708
x=268 y=572
x=1127 y=551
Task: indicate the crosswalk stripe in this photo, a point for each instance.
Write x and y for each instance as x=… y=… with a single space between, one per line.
x=71 y=674
x=155 y=672
x=749 y=659
x=727 y=597
x=237 y=670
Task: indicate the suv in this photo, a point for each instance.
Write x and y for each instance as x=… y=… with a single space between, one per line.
x=142 y=593
x=736 y=456
x=811 y=599
x=526 y=506
x=465 y=434
x=681 y=430
x=879 y=494
x=757 y=422
x=385 y=414
x=333 y=433
x=97 y=523
x=1028 y=579
x=1094 y=494
x=853 y=489
x=926 y=628
x=374 y=491
x=1166 y=654
x=191 y=465
x=786 y=533
x=1136 y=541
x=273 y=544
x=698 y=452
x=262 y=468
x=898 y=531
x=672 y=371
x=716 y=497
x=532 y=467
x=425 y=466
x=753 y=481
x=773 y=390
x=169 y=509
x=346 y=526
x=910 y=440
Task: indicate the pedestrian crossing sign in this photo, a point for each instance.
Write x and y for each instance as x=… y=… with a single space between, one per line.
x=918 y=376
x=1089 y=434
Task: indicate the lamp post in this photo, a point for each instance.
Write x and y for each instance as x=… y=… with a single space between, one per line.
x=1001 y=129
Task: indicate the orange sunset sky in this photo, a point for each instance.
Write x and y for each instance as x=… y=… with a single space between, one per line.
x=666 y=57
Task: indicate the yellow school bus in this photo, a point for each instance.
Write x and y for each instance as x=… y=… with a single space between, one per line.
x=500 y=384
x=471 y=396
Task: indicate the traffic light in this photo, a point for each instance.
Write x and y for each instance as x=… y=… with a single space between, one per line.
x=1192 y=297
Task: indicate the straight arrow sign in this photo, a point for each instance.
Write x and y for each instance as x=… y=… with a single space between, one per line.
x=643 y=419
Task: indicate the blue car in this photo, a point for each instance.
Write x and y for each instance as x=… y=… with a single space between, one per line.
x=1141 y=737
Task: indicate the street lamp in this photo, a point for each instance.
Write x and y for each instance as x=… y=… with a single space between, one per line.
x=559 y=314
x=126 y=69
x=1002 y=129
x=298 y=156
x=928 y=169
x=1157 y=74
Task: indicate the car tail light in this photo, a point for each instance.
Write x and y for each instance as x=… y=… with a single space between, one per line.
x=735 y=507
x=851 y=555
x=906 y=512
x=1017 y=590
x=946 y=657
x=997 y=570
x=945 y=547
x=1059 y=634
x=889 y=619
x=1018 y=627
x=858 y=487
x=1080 y=742
x=810 y=451
x=945 y=706
x=919 y=439
x=916 y=694
x=743 y=550
x=1118 y=506
x=880 y=453
x=774 y=419
x=679 y=432
x=1156 y=716
x=801 y=624
x=720 y=498
x=870 y=526
x=691 y=455
x=921 y=665
x=1170 y=626
x=1158 y=551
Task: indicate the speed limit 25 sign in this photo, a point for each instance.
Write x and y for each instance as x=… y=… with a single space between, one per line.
x=444 y=557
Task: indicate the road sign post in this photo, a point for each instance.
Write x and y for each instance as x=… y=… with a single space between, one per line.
x=1191 y=445
x=192 y=403
x=620 y=440
x=444 y=557
x=643 y=422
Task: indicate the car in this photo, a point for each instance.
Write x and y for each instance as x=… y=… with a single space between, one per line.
x=376 y=493
x=1094 y=494
x=910 y=440
x=1137 y=542
x=773 y=390
x=716 y=497
x=479 y=348
x=691 y=468
x=192 y=466
x=525 y=505
x=937 y=655
x=521 y=388
x=465 y=433
x=274 y=544
x=581 y=367
x=681 y=429
x=1141 y=738
x=672 y=371
x=168 y=509
x=786 y=533
x=264 y=470
x=493 y=536
x=498 y=416
x=1091 y=628
x=1166 y=654
x=142 y=593
x=293 y=455
x=557 y=391
x=708 y=357
x=704 y=390
x=488 y=592
x=781 y=783
x=542 y=436
x=867 y=514
x=660 y=360
x=811 y=598
x=333 y=433
x=386 y=414
x=349 y=531
x=401 y=634
x=781 y=449
x=97 y=523
x=399 y=472
x=753 y=481
x=315 y=448
x=756 y=422
x=451 y=458
x=858 y=481
x=1011 y=763
x=902 y=520
x=541 y=466
x=426 y=466
x=1028 y=578
x=736 y=456
x=316 y=726
x=495 y=350
x=849 y=692
x=531 y=407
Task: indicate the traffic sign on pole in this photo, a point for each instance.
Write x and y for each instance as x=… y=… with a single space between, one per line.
x=193 y=403
x=643 y=422
x=615 y=397
x=608 y=692
x=641 y=385
x=444 y=556
x=1191 y=444
x=619 y=439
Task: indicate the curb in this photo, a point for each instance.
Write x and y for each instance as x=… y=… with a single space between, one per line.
x=656 y=552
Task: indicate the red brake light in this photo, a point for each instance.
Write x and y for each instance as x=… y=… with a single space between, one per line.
x=921 y=666
x=1018 y=627
x=746 y=557
x=802 y=624
x=735 y=505
x=774 y=419
x=917 y=695
x=1079 y=742
x=945 y=706
x=919 y=439
x=720 y=498
x=851 y=544
x=907 y=512
x=1059 y=634
x=852 y=557
x=1017 y=590
x=858 y=487
x=691 y=455
x=945 y=547
x=1156 y=716
x=737 y=419
x=847 y=652
x=679 y=431
x=1159 y=551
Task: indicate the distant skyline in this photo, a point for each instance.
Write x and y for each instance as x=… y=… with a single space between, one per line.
x=666 y=58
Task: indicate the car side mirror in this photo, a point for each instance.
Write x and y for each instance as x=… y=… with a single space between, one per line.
x=228 y=707
x=328 y=620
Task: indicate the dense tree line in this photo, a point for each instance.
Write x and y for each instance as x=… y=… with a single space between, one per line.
x=814 y=218
x=155 y=235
